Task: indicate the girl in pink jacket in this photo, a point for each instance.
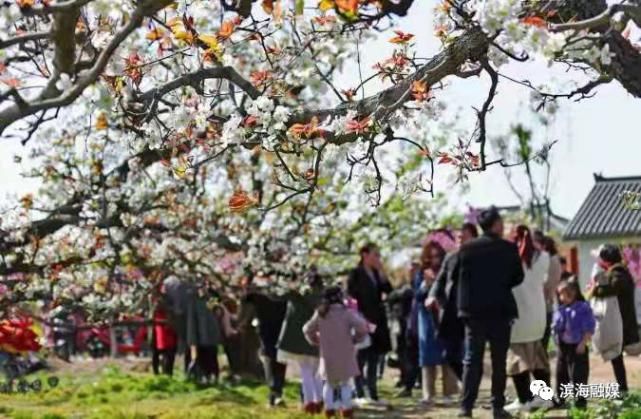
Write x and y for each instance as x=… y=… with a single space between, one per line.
x=335 y=329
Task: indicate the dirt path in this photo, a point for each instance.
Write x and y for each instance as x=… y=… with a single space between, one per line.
x=600 y=373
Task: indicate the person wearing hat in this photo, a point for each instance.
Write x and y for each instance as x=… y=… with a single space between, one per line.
x=486 y=270
x=620 y=284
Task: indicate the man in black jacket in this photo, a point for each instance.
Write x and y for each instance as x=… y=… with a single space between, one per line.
x=367 y=284
x=486 y=268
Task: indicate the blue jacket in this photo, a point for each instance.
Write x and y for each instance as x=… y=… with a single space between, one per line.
x=571 y=322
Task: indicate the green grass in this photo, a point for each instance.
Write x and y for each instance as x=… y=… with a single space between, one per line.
x=113 y=394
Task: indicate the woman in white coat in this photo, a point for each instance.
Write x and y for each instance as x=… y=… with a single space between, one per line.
x=527 y=357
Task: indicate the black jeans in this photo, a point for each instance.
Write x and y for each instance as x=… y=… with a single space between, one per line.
x=410 y=364
x=167 y=356
x=368 y=359
x=522 y=383
x=454 y=356
x=274 y=376
x=548 y=330
x=496 y=331
x=206 y=362
x=619 y=373
x=571 y=368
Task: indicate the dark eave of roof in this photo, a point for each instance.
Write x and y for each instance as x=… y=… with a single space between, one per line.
x=603 y=213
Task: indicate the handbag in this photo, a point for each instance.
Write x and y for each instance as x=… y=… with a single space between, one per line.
x=365 y=343
x=608 y=334
x=633 y=349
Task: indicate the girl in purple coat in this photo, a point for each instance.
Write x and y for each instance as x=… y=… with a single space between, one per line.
x=335 y=329
x=573 y=326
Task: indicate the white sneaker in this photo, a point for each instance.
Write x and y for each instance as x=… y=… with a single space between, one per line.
x=362 y=402
x=448 y=400
x=538 y=403
x=515 y=406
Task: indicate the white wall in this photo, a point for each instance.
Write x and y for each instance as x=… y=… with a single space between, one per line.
x=586 y=260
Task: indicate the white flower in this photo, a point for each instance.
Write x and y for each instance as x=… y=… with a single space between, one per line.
x=64 y=82
x=228 y=60
x=264 y=104
x=253 y=110
x=232 y=131
x=554 y=44
x=605 y=56
x=154 y=134
x=281 y=113
x=182 y=116
x=100 y=39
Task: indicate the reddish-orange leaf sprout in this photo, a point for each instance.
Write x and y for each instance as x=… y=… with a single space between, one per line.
x=309 y=130
x=420 y=90
x=401 y=37
x=259 y=78
x=347 y=6
x=534 y=21
x=241 y=202
x=324 y=20
x=445 y=158
x=358 y=127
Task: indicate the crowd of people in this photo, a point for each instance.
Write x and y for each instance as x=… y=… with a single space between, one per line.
x=465 y=292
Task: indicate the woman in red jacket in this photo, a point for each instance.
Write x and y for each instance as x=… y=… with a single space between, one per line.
x=165 y=341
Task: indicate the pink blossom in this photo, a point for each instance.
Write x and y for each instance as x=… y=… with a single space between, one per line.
x=444 y=238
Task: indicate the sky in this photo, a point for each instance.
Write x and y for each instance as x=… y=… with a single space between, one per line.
x=594 y=135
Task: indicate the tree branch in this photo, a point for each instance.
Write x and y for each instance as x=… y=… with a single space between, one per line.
x=192 y=79
x=36 y=36
x=51 y=98
x=472 y=45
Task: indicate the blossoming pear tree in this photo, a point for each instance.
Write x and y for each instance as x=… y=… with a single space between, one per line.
x=203 y=137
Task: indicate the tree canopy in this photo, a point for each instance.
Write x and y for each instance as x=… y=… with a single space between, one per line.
x=204 y=138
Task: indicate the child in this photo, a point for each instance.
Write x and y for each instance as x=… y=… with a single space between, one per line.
x=573 y=326
x=335 y=329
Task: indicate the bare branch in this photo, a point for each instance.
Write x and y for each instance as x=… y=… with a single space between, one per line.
x=51 y=98
x=472 y=45
x=6 y=43
x=482 y=114
x=192 y=79
x=601 y=20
